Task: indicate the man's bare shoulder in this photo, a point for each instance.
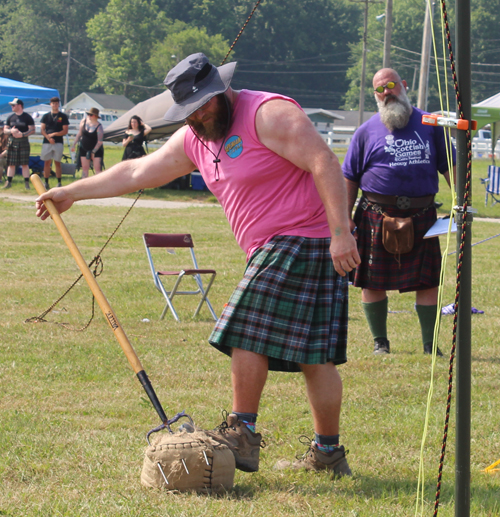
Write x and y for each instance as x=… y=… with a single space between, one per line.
x=278 y=117
x=177 y=139
x=278 y=107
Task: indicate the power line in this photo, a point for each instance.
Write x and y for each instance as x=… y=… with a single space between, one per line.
x=159 y=87
x=292 y=72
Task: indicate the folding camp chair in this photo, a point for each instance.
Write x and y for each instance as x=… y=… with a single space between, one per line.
x=171 y=242
x=492 y=185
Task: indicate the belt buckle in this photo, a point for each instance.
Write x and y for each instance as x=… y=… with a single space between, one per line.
x=403 y=202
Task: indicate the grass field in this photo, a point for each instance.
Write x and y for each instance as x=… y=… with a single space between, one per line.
x=74 y=417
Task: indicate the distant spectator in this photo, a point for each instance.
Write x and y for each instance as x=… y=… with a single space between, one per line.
x=90 y=136
x=19 y=127
x=396 y=161
x=136 y=136
x=54 y=126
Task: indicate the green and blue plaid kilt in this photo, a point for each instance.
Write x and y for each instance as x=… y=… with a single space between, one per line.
x=290 y=306
x=18 y=151
x=379 y=270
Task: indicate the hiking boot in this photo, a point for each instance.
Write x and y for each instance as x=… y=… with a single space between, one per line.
x=316 y=460
x=7 y=185
x=382 y=346
x=428 y=350
x=244 y=444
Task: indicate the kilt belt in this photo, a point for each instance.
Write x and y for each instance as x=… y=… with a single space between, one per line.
x=401 y=202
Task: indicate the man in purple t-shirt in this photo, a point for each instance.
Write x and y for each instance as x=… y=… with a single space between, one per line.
x=395 y=160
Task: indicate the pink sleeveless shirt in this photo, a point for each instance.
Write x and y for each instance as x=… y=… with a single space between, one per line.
x=262 y=194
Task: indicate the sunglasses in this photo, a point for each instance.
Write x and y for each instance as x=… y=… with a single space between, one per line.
x=390 y=85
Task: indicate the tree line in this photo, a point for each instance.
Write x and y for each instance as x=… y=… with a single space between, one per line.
x=308 y=49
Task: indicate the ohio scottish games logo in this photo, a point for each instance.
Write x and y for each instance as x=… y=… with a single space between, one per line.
x=234 y=146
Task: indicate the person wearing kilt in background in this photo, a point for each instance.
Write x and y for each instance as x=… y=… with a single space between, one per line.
x=395 y=160
x=19 y=127
x=283 y=193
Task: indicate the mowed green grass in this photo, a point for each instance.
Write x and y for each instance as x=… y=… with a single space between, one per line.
x=74 y=417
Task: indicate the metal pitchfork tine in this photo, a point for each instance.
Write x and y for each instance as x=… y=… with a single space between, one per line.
x=111 y=317
x=168 y=423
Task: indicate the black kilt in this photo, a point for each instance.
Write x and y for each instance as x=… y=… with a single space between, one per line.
x=18 y=151
x=382 y=271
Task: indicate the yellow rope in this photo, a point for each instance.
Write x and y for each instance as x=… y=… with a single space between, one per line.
x=421 y=471
x=492 y=468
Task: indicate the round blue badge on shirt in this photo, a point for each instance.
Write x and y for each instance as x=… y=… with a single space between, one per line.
x=234 y=146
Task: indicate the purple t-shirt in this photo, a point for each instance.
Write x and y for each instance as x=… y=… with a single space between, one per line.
x=403 y=162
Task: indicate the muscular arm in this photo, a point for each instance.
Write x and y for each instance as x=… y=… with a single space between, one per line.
x=153 y=170
x=286 y=130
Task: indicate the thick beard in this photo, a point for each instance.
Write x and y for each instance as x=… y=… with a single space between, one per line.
x=396 y=113
x=217 y=127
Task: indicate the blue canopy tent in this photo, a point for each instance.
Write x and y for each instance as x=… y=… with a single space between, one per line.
x=30 y=94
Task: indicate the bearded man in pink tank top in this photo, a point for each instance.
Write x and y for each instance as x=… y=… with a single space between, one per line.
x=283 y=193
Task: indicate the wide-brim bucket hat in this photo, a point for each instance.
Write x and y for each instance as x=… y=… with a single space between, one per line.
x=93 y=111
x=193 y=82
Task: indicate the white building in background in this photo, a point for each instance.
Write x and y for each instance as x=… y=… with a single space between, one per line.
x=110 y=107
x=117 y=104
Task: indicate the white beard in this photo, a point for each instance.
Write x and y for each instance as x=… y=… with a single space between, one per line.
x=396 y=113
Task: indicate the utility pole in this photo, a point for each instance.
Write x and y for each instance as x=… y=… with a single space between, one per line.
x=363 y=70
x=68 y=54
x=363 y=66
x=423 y=85
x=387 y=34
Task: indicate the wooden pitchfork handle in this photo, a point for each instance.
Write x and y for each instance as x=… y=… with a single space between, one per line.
x=101 y=300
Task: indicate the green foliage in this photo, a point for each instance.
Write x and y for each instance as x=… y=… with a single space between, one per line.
x=408 y=21
x=485 y=48
x=308 y=49
x=121 y=36
x=33 y=33
x=298 y=48
x=294 y=48
x=178 y=45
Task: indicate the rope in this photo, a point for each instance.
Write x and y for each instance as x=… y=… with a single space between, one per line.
x=479 y=242
x=241 y=32
x=98 y=269
x=447 y=44
x=97 y=261
x=467 y=188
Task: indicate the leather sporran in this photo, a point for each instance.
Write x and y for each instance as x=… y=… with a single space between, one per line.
x=397 y=234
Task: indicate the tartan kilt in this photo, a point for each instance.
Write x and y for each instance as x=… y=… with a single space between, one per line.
x=379 y=270
x=290 y=306
x=18 y=151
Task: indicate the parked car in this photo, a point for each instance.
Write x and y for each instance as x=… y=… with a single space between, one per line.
x=75 y=116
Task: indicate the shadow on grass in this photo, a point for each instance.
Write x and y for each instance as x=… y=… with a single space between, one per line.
x=364 y=488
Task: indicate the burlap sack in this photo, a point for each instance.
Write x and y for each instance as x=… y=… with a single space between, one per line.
x=169 y=451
